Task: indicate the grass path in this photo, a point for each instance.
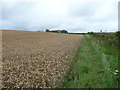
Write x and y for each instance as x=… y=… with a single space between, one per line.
x=90 y=68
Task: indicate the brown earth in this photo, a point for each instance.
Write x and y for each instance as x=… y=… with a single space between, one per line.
x=36 y=59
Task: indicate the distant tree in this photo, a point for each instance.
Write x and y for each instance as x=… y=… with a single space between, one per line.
x=64 y=31
x=47 y=30
x=90 y=33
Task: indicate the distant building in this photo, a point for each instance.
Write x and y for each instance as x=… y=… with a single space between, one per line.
x=56 y=31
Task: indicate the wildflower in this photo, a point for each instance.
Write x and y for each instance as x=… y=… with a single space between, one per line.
x=116 y=71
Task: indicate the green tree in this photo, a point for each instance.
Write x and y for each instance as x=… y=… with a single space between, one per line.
x=118 y=34
x=64 y=31
x=90 y=33
x=118 y=39
x=47 y=30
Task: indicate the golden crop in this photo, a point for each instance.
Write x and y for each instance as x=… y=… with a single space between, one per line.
x=36 y=59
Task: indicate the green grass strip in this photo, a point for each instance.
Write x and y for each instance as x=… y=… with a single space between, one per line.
x=89 y=69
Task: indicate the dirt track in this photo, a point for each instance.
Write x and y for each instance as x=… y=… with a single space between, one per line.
x=36 y=59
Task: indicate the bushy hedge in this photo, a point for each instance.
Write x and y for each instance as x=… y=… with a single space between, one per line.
x=47 y=30
x=90 y=33
x=118 y=34
x=64 y=31
x=118 y=39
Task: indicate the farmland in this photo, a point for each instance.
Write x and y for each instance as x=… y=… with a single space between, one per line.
x=36 y=59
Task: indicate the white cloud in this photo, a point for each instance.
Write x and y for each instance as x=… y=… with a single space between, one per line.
x=73 y=15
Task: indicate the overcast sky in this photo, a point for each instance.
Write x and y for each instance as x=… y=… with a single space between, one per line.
x=72 y=15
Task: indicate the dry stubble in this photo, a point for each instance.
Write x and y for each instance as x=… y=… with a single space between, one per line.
x=36 y=59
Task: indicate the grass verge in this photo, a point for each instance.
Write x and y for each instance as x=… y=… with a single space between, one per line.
x=92 y=67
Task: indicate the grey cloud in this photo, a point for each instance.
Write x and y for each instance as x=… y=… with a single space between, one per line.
x=78 y=17
x=24 y=16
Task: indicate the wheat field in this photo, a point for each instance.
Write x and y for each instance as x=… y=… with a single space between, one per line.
x=36 y=59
